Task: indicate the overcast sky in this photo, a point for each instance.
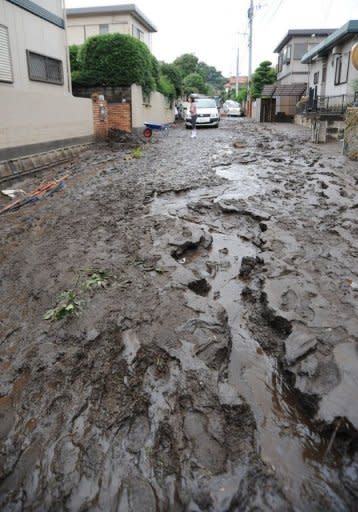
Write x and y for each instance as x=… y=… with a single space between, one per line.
x=213 y=31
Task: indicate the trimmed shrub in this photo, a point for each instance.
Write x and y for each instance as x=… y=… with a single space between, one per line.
x=116 y=60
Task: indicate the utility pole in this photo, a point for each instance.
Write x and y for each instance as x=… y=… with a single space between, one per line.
x=250 y=14
x=237 y=73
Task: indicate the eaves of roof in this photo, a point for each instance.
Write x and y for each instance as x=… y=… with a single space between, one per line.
x=277 y=89
x=351 y=27
x=113 y=9
x=303 y=33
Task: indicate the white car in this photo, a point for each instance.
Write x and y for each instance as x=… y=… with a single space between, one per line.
x=207 y=111
x=232 y=108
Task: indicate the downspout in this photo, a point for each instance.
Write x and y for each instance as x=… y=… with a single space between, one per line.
x=67 y=51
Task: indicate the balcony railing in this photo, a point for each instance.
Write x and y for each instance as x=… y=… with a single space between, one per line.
x=329 y=104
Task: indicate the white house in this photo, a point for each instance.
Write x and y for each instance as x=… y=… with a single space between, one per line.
x=38 y=111
x=123 y=19
x=292 y=73
x=331 y=72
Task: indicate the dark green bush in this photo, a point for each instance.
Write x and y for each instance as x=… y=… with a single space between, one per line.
x=116 y=60
x=173 y=74
x=167 y=88
x=74 y=57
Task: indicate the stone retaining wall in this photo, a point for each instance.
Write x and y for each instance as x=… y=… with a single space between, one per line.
x=324 y=127
x=350 y=146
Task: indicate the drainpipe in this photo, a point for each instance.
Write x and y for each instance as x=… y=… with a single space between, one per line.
x=67 y=50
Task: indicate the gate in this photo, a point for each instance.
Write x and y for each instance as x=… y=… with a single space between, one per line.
x=268 y=109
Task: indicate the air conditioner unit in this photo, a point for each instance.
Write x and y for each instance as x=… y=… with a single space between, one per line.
x=336 y=50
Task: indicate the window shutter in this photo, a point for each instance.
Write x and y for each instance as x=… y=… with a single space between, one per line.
x=5 y=60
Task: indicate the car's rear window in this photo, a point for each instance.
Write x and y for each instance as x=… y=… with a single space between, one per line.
x=205 y=103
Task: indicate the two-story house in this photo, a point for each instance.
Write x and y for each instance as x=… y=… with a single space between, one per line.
x=292 y=74
x=331 y=73
x=124 y=19
x=38 y=111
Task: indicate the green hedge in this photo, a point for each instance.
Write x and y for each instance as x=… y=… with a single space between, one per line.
x=117 y=60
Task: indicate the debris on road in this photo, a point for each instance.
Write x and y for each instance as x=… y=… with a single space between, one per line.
x=44 y=190
x=13 y=193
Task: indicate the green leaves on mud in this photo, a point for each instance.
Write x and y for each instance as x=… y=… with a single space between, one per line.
x=69 y=303
x=98 y=279
x=137 y=152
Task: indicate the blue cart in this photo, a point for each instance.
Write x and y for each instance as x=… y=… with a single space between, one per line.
x=150 y=127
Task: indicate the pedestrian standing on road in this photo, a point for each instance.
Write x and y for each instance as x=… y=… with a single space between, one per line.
x=193 y=115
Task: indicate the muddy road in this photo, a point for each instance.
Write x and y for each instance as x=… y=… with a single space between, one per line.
x=203 y=353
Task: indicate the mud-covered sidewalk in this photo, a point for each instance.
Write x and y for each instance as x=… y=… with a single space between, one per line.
x=178 y=331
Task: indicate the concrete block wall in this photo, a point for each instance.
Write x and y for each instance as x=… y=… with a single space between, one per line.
x=13 y=168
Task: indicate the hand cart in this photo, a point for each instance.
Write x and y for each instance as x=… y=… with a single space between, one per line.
x=150 y=127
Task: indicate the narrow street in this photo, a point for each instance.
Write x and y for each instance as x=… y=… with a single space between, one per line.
x=212 y=363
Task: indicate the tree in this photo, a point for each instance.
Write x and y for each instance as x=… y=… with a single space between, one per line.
x=194 y=83
x=74 y=57
x=241 y=95
x=212 y=76
x=262 y=75
x=173 y=74
x=187 y=64
x=166 y=87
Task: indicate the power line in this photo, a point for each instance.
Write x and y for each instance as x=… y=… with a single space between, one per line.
x=276 y=10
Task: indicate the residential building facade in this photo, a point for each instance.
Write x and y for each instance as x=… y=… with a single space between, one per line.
x=331 y=73
x=85 y=22
x=38 y=110
x=290 y=70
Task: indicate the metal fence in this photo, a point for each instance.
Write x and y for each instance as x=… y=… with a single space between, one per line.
x=332 y=104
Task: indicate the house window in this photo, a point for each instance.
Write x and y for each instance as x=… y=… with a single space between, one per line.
x=287 y=56
x=104 y=29
x=316 y=77
x=341 y=72
x=44 y=69
x=280 y=59
x=136 y=32
x=324 y=74
x=299 y=49
x=5 y=58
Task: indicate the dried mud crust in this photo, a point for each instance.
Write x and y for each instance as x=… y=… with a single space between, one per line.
x=129 y=406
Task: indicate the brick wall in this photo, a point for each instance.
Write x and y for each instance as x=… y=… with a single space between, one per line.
x=119 y=116
x=109 y=115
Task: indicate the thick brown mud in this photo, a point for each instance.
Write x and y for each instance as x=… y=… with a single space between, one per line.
x=214 y=368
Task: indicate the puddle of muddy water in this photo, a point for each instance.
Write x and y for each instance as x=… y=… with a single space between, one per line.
x=243 y=182
x=285 y=440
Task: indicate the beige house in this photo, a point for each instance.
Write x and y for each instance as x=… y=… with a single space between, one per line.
x=124 y=19
x=38 y=111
